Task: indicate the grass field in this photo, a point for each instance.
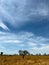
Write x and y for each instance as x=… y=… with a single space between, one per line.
x=28 y=60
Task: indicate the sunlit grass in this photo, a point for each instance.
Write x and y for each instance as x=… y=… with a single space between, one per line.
x=28 y=60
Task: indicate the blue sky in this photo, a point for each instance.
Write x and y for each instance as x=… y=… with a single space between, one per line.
x=24 y=25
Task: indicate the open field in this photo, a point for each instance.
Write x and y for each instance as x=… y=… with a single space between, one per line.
x=28 y=60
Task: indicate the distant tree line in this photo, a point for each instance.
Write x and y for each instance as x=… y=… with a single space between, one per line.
x=23 y=53
x=39 y=54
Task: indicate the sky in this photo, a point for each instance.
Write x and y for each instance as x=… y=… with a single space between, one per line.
x=24 y=25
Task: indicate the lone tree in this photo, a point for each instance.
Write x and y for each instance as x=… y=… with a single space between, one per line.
x=1 y=53
x=23 y=53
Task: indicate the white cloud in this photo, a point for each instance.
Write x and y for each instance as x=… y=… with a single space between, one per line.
x=9 y=38
x=17 y=11
x=11 y=41
x=31 y=44
x=25 y=40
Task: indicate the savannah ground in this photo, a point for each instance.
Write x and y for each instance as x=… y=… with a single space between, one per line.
x=28 y=60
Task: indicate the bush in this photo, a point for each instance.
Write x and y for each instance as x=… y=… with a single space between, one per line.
x=1 y=53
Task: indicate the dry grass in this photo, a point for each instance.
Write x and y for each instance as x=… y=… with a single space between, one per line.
x=28 y=60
